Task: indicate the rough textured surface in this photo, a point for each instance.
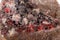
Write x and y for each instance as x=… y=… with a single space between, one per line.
x=46 y=5
x=43 y=35
x=53 y=34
